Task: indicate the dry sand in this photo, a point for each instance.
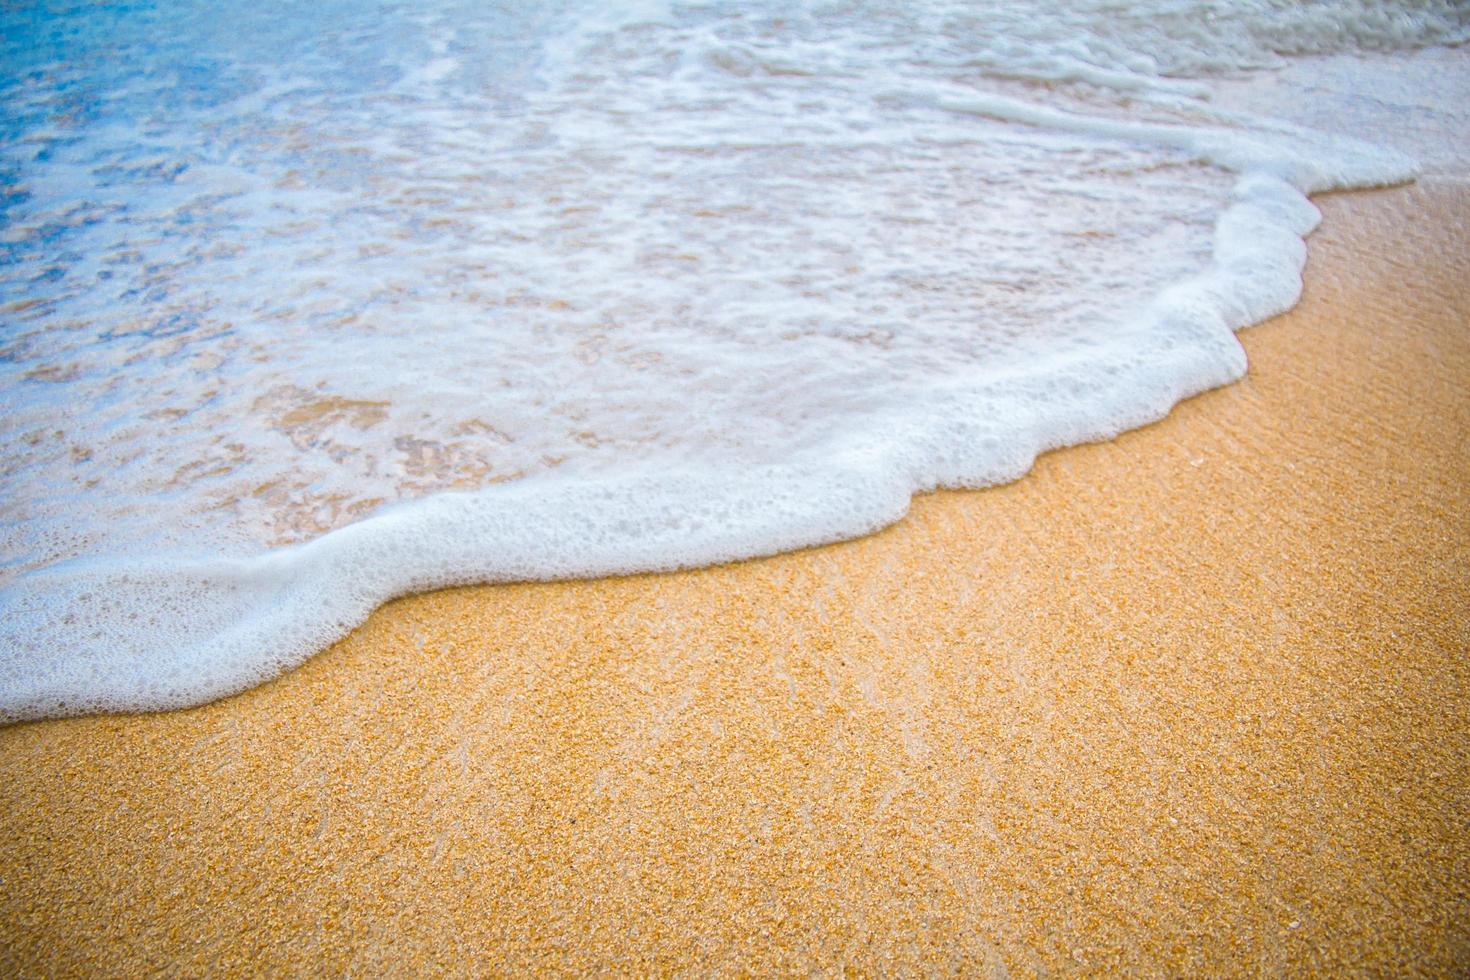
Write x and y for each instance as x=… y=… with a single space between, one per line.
x=1195 y=700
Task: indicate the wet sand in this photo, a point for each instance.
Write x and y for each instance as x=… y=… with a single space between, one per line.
x=1196 y=700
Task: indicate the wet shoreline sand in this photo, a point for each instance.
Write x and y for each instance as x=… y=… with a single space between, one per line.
x=1193 y=700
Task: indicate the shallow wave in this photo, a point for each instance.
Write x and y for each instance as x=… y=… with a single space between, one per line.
x=309 y=310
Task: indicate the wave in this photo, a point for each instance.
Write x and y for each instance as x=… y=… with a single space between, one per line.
x=464 y=294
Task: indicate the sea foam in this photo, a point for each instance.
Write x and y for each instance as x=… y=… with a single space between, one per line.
x=308 y=308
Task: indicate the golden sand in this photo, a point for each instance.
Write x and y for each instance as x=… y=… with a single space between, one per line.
x=1195 y=700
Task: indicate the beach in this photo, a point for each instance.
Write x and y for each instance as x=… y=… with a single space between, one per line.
x=1191 y=701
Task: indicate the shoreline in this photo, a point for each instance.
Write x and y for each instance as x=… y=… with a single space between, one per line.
x=1192 y=700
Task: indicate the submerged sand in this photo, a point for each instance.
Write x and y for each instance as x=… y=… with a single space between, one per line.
x=1194 y=700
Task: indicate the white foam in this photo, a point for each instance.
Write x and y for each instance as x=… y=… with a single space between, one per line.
x=656 y=287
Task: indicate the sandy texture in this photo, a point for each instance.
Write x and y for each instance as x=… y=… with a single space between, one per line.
x=1194 y=700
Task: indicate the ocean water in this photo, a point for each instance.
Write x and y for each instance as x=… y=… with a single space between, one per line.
x=305 y=306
